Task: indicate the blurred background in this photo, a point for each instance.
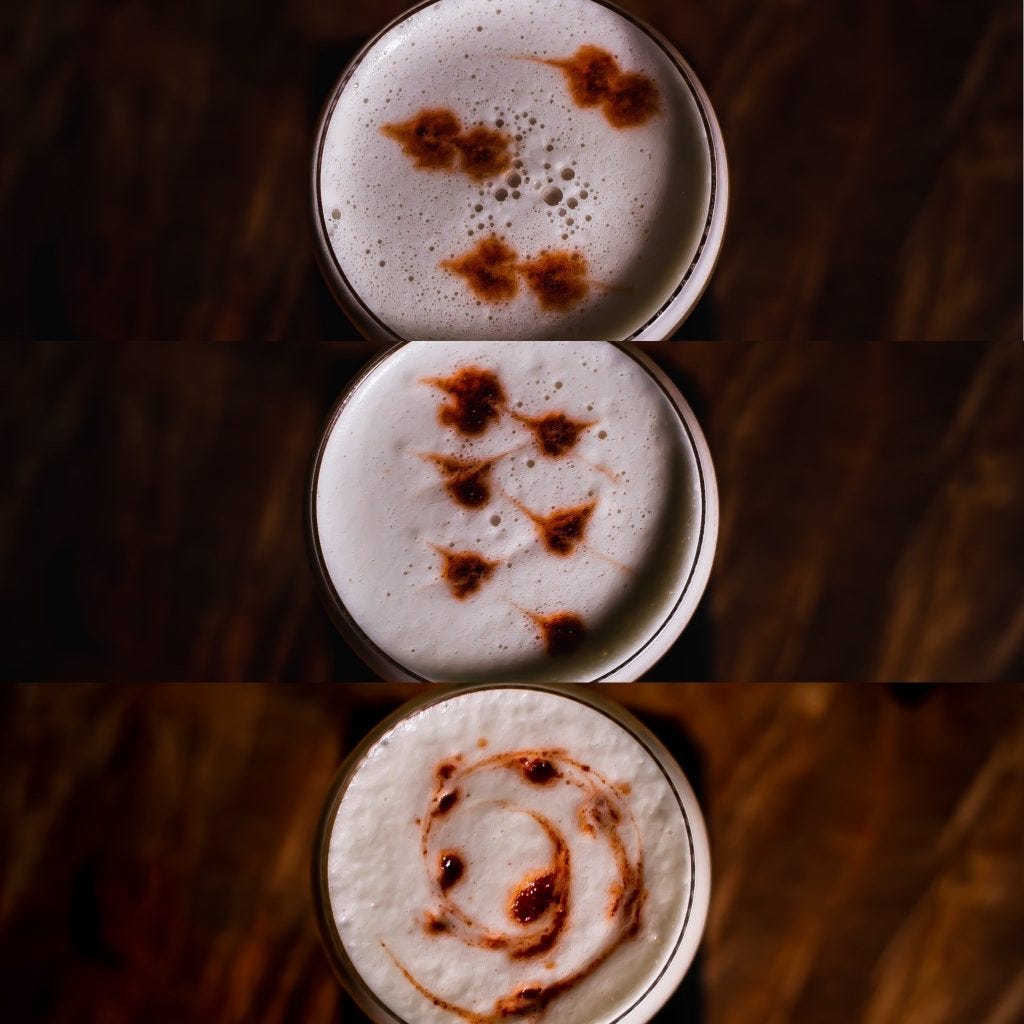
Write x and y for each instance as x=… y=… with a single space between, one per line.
x=867 y=846
x=154 y=182
x=872 y=511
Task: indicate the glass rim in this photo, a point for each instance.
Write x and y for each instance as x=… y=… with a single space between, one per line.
x=669 y=316
x=638 y=660
x=691 y=931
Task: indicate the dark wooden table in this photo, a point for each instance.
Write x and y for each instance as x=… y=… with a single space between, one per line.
x=154 y=181
x=872 y=503
x=868 y=850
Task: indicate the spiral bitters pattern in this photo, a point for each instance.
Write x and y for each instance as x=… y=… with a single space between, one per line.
x=540 y=905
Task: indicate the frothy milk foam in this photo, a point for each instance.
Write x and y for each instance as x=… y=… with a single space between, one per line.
x=633 y=201
x=496 y=806
x=606 y=531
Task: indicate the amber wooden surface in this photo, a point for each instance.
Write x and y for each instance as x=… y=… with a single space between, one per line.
x=872 y=504
x=154 y=179
x=868 y=849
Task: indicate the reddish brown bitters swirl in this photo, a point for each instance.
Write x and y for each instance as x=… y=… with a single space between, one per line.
x=467 y=481
x=555 y=433
x=465 y=572
x=476 y=399
x=538 y=904
x=435 y=140
x=562 y=633
x=564 y=530
x=594 y=78
x=558 y=278
x=489 y=269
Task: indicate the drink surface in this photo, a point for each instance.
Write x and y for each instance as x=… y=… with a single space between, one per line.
x=495 y=510
x=520 y=170
x=505 y=853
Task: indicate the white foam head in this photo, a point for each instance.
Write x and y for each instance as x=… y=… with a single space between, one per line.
x=636 y=201
x=508 y=787
x=630 y=567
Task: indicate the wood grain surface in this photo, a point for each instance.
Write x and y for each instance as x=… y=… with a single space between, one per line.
x=867 y=844
x=872 y=502
x=155 y=174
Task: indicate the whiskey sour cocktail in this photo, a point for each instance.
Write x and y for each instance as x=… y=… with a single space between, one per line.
x=501 y=511
x=512 y=854
x=526 y=169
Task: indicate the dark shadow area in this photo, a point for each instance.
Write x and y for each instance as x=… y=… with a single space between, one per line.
x=910 y=695
x=691 y=657
x=687 y=1004
x=702 y=323
x=328 y=65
